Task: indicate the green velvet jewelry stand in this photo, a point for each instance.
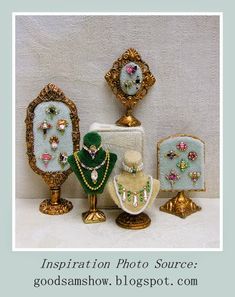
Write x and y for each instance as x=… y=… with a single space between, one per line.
x=93 y=215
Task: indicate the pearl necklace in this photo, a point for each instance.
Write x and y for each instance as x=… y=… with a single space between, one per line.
x=137 y=198
x=132 y=169
x=79 y=165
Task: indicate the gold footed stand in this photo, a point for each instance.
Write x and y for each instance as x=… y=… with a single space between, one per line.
x=55 y=205
x=93 y=215
x=134 y=222
x=128 y=120
x=180 y=206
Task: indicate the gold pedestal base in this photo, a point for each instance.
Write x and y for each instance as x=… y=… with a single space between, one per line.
x=93 y=215
x=128 y=120
x=55 y=205
x=63 y=206
x=90 y=217
x=180 y=206
x=134 y=222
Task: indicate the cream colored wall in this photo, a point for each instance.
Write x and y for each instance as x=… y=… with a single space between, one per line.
x=75 y=52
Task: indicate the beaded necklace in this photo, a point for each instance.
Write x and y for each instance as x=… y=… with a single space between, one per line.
x=137 y=198
x=94 y=173
x=80 y=165
x=133 y=169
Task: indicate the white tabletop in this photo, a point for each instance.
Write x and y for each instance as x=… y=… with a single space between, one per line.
x=35 y=230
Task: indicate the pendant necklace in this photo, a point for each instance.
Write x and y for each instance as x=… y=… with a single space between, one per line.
x=94 y=173
x=136 y=198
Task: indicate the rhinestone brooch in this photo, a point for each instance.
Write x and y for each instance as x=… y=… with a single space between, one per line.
x=182 y=165
x=172 y=177
x=194 y=175
x=192 y=156
x=182 y=146
x=171 y=155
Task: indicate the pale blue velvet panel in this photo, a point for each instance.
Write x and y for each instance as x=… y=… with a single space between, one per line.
x=125 y=77
x=42 y=145
x=165 y=164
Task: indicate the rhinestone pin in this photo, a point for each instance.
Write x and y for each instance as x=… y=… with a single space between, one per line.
x=182 y=146
x=171 y=155
x=45 y=126
x=46 y=158
x=182 y=165
x=194 y=175
x=172 y=177
x=192 y=156
x=54 y=141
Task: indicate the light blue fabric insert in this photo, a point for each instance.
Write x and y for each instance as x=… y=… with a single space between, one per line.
x=42 y=145
x=124 y=77
x=165 y=164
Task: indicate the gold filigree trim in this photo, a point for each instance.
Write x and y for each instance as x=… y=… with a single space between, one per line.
x=112 y=78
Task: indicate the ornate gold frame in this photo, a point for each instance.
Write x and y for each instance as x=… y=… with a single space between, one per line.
x=54 y=180
x=112 y=78
x=180 y=205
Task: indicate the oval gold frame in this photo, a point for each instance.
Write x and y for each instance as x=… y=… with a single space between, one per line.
x=129 y=101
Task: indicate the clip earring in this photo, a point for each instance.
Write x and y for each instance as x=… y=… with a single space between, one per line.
x=46 y=158
x=61 y=125
x=44 y=126
x=63 y=159
x=52 y=111
x=54 y=141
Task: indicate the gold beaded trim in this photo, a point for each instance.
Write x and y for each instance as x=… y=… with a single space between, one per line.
x=83 y=176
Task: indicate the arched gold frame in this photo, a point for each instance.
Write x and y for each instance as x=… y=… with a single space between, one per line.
x=54 y=205
x=180 y=205
x=129 y=101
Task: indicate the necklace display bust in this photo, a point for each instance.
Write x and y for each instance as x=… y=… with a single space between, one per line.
x=133 y=191
x=92 y=166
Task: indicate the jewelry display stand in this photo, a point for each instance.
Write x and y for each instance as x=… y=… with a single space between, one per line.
x=118 y=140
x=93 y=215
x=133 y=192
x=52 y=133
x=134 y=222
x=92 y=166
x=181 y=162
x=180 y=205
x=129 y=78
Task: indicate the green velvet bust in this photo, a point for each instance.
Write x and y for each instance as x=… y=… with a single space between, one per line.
x=92 y=139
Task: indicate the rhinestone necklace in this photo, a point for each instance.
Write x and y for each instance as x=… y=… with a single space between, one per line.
x=92 y=150
x=137 y=198
x=94 y=173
